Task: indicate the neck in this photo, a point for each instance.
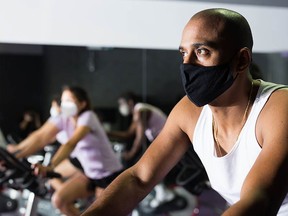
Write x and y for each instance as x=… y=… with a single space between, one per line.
x=230 y=113
x=227 y=139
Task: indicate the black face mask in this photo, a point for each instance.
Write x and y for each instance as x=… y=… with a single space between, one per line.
x=203 y=84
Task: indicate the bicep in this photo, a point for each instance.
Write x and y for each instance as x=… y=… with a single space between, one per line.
x=267 y=180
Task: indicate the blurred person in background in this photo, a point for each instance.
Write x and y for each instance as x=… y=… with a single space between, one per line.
x=86 y=159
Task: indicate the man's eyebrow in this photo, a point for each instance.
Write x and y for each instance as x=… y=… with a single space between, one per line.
x=211 y=44
x=197 y=45
x=200 y=44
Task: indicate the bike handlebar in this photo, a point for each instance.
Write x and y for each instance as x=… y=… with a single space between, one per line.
x=19 y=175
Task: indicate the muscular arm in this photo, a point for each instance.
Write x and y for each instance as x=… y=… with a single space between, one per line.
x=123 y=194
x=266 y=184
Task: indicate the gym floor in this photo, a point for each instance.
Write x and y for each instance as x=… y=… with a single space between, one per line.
x=209 y=203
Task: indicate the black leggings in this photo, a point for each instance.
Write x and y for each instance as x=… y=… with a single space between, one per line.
x=76 y=163
x=103 y=183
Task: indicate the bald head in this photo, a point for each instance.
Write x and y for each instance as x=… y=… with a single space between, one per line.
x=230 y=25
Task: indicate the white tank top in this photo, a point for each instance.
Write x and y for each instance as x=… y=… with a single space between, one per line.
x=227 y=174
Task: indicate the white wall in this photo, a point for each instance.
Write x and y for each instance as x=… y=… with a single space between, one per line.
x=126 y=23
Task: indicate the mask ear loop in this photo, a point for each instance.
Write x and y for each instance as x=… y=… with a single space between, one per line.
x=235 y=77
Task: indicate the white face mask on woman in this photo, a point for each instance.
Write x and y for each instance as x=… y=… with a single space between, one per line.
x=69 y=108
x=54 y=112
x=124 y=109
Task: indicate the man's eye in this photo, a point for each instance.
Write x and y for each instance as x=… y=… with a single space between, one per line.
x=183 y=54
x=202 y=51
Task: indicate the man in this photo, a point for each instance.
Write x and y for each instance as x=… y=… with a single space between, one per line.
x=238 y=126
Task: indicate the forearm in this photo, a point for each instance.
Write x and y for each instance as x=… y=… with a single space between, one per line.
x=30 y=145
x=121 y=196
x=253 y=207
x=119 y=135
x=235 y=210
x=63 y=152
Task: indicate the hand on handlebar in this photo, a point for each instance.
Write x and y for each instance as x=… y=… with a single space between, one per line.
x=45 y=171
x=41 y=170
x=11 y=148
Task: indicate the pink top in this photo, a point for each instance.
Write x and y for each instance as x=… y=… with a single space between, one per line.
x=156 y=121
x=94 y=151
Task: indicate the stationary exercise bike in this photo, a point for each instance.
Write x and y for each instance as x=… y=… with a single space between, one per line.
x=18 y=175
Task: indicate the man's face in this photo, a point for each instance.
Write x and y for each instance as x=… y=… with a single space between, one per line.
x=205 y=43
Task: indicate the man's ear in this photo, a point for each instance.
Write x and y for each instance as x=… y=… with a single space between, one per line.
x=244 y=59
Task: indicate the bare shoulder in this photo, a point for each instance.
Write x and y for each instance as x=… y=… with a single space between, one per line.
x=277 y=104
x=280 y=93
x=274 y=115
x=185 y=115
